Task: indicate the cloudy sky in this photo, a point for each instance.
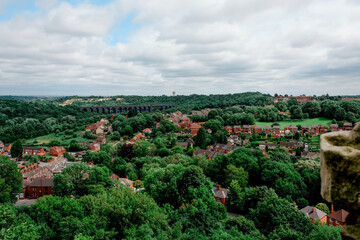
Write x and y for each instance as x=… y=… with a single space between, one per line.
x=153 y=47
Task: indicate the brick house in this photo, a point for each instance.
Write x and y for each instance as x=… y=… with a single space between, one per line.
x=334 y=127
x=258 y=129
x=314 y=214
x=220 y=194
x=291 y=128
x=57 y=151
x=24 y=194
x=347 y=126
x=315 y=129
x=267 y=129
x=248 y=129
x=147 y=130
x=323 y=129
x=194 y=128
x=305 y=129
x=33 y=151
x=270 y=146
x=123 y=181
x=228 y=129
x=276 y=131
x=237 y=129
x=40 y=187
x=337 y=218
x=223 y=148
x=291 y=146
x=101 y=139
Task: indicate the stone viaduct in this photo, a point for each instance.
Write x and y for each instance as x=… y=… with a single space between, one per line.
x=125 y=108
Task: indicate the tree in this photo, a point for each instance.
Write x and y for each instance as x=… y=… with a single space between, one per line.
x=340 y=114
x=10 y=180
x=236 y=174
x=323 y=207
x=296 y=112
x=200 y=140
x=313 y=108
x=16 y=149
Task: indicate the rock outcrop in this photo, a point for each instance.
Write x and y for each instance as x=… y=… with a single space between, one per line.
x=340 y=176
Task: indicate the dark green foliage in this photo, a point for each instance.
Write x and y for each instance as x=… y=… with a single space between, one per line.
x=10 y=180
x=200 y=140
x=16 y=149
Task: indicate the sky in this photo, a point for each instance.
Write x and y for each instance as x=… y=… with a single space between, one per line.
x=142 y=47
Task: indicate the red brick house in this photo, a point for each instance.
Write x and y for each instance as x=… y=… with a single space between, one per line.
x=147 y=130
x=347 y=126
x=194 y=128
x=276 y=131
x=291 y=128
x=33 y=151
x=337 y=218
x=237 y=129
x=334 y=127
x=57 y=151
x=323 y=129
x=223 y=148
x=40 y=187
x=7 y=147
x=248 y=129
x=220 y=194
x=315 y=129
x=267 y=129
x=123 y=181
x=228 y=129
x=304 y=129
x=314 y=214
x=258 y=129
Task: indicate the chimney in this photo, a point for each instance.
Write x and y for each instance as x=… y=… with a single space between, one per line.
x=313 y=210
x=218 y=187
x=332 y=208
x=126 y=176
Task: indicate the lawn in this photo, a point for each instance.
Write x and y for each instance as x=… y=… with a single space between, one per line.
x=65 y=139
x=310 y=121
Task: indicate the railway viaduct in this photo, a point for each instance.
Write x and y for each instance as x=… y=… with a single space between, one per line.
x=125 y=108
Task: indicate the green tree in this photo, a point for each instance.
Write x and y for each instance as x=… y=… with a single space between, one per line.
x=10 y=180
x=313 y=108
x=16 y=149
x=323 y=207
x=340 y=114
x=200 y=140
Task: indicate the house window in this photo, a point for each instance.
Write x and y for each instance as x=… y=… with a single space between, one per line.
x=34 y=195
x=337 y=222
x=34 y=189
x=218 y=199
x=330 y=220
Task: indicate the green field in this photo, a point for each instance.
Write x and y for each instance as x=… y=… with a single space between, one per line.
x=64 y=139
x=320 y=120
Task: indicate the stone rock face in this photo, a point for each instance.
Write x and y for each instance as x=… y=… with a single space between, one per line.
x=340 y=175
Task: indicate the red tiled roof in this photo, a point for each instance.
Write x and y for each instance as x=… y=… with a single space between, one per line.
x=339 y=215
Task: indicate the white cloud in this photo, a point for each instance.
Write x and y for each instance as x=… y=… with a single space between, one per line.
x=212 y=46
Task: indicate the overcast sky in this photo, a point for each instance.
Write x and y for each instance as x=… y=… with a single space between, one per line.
x=153 y=47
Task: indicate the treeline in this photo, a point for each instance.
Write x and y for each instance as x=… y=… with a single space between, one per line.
x=23 y=120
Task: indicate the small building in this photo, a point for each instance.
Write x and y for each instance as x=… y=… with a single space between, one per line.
x=347 y=126
x=334 y=127
x=220 y=194
x=276 y=131
x=40 y=187
x=101 y=139
x=147 y=130
x=270 y=146
x=291 y=128
x=315 y=129
x=237 y=129
x=123 y=181
x=337 y=218
x=267 y=129
x=323 y=129
x=33 y=151
x=57 y=151
x=194 y=128
x=304 y=129
x=223 y=148
x=314 y=214
x=248 y=129
x=228 y=129
x=258 y=129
